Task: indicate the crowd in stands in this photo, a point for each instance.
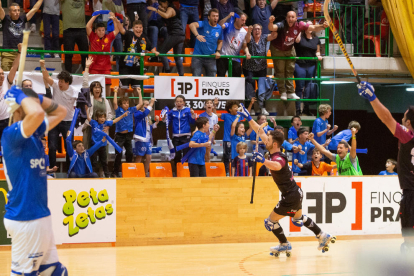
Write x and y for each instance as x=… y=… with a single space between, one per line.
x=158 y=26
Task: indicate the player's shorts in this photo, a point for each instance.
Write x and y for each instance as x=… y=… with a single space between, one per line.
x=142 y=148
x=291 y=203
x=407 y=213
x=33 y=244
x=125 y=83
x=103 y=72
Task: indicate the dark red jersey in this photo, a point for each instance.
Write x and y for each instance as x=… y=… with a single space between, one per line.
x=284 y=177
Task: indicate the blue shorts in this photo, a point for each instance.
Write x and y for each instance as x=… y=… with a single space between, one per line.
x=142 y=148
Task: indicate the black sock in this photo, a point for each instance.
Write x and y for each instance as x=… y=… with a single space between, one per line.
x=312 y=226
x=278 y=232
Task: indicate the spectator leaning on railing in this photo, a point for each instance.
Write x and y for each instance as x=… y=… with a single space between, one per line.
x=233 y=41
x=256 y=68
x=176 y=36
x=209 y=42
x=13 y=26
x=74 y=30
x=65 y=95
x=282 y=46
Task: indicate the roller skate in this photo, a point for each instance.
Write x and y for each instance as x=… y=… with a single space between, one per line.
x=281 y=248
x=324 y=240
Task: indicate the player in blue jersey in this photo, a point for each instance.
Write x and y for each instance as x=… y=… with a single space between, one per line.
x=27 y=217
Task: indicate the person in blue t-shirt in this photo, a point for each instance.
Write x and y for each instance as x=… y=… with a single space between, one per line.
x=260 y=13
x=389 y=167
x=260 y=120
x=143 y=134
x=101 y=123
x=286 y=146
x=199 y=142
x=209 y=37
x=228 y=118
x=296 y=123
x=27 y=218
x=321 y=128
x=343 y=135
x=237 y=134
x=124 y=130
x=303 y=146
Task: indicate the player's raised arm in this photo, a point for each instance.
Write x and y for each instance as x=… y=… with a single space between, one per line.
x=253 y=125
x=367 y=91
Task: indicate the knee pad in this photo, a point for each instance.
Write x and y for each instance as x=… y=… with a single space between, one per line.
x=299 y=222
x=55 y=269
x=270 y=225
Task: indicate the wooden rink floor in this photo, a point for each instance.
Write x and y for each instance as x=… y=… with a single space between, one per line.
x=346 y=257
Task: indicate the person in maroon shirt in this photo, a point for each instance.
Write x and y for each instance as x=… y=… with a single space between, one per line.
x=282 y=46
x=101 y=42
x=405 y=134
x=291 y=203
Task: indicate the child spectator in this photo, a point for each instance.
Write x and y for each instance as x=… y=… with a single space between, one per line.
x=143 y=134
x=228 y=118
x=80 y=161
x=296 y=123
x=261 y=119
x=101 y=42
x=303 y=146
x=181 y=118
x=212 y=119
x=135 y=41
x=315 y=167
x=199 y=142
x=241 y=164
x=344 y=135
x=100 y=123
x=237 y=134
x=389 y=168
x=124 y=128
x=49 y=171
x=321 y=128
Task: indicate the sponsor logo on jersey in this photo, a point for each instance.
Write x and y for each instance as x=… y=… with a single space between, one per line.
x=38 y=162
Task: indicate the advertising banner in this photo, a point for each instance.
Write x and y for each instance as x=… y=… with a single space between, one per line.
x=83 y=211
x=349 y=205
x=196 y=90
x=4 y=240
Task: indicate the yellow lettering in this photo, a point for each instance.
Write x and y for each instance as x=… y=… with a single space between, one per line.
x=72 y=230
x=91 y=215
x=100 y=213
x=82 y=220
x=103 y=196
x=83 y=199
x=93 y=196
x=70 y=197
x=109 y=210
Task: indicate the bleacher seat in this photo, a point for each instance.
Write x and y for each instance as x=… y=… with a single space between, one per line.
x=183 y=170
x=133 y=170
x=2 y=176
x=160 y=170
x=215 y=169
x=258 y=166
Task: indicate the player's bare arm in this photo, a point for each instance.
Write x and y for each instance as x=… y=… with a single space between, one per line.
x=353 y=144
x=55 y=112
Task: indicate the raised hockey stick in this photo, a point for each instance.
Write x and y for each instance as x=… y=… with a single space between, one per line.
x=255 y=163
x=338 y=38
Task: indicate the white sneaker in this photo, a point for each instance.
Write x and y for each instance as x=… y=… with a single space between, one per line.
x=264 y=112
x=293 y=96
x=33 y=28
x=56 y=56
x=283 y=97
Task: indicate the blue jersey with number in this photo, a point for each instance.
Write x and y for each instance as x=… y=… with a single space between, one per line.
x=25 y=170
